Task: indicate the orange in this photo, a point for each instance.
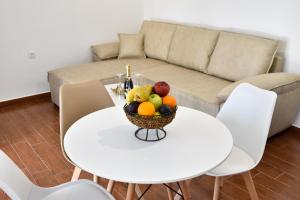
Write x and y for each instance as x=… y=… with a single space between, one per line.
x=146 y=108
x=170 y=101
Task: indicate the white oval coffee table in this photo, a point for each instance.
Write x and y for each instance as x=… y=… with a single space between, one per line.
x=103 y=143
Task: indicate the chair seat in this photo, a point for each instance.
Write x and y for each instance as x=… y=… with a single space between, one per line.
x=237 y=162
x=78 y=190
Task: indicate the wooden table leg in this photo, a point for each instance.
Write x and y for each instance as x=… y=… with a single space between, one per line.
x=130 y=191
x=188 y=182
x=217 y=188
x=221 y=181
x=185 y=190
x=170 y=192
x=138 y=191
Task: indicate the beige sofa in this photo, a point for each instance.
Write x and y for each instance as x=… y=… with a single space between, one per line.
x=202 y=66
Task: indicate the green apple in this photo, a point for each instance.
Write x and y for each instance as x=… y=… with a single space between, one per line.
x=156 y=100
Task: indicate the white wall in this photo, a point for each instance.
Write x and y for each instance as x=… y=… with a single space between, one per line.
x=60 y=32
x=276 y=18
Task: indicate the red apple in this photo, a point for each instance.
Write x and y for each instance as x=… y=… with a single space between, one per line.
x=161 y=88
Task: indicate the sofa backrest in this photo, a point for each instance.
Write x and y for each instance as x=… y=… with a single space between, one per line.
x=277 y=65
x=237 y=56
x=191 y=47
x=231 y=56
x=157 y=38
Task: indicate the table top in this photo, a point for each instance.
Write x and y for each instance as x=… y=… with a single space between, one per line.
x=103 y=143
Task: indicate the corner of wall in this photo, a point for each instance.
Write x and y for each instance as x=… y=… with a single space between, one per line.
x=297 y=121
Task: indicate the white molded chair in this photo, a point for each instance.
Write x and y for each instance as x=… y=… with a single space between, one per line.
x=18 y=187
x=247 y=113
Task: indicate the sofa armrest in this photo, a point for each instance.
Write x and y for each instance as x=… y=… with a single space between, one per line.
x=277 y=82
x=105 y=51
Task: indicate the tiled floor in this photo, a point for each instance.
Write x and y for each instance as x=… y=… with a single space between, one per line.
x=29 y=134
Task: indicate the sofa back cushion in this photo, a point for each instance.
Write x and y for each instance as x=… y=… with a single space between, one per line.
x=237 y=56
x=277 y=65
x=157 y=38
x=191 y=47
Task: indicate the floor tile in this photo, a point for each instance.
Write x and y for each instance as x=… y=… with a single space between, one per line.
x=29 y=134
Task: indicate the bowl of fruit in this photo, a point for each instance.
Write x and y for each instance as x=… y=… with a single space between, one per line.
x=150 y=108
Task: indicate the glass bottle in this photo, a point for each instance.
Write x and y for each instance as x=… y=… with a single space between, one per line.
x=128 y=84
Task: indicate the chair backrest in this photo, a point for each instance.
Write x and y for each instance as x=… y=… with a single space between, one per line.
x=12 y=180
x=248 y=114
x=78 y=100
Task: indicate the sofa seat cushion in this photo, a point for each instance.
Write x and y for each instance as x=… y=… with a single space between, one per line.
x=237 y=56
x=103 y=70
x=99 y=70
x=191 y=88
x=157 y=38
x=191 y=47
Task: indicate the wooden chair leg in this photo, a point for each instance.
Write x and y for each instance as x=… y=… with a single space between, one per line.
x=110 y=186
x=130 y=192
x=138 y=192
x=217 y=188
x=95 y=178
x=250 y=185
x=185 y=190
x=76 y=174
x=170 y=193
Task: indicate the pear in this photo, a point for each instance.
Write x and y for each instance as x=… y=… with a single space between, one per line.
x=141 y=95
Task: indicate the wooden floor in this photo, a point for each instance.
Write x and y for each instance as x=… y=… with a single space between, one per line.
x=29 y=134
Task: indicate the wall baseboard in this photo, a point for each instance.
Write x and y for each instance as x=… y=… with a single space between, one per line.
x=25 y=99
x=296 y=125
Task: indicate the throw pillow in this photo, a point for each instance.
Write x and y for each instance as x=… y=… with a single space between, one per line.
x=131 y=45
x=106 y=51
